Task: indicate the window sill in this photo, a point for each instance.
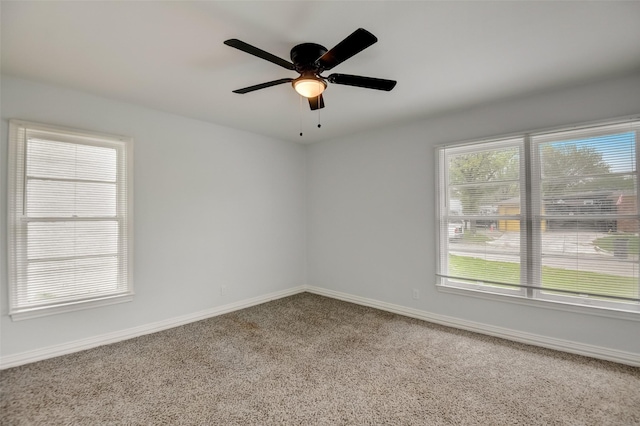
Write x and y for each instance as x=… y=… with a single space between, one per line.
x=29 y=313
x=561 y=306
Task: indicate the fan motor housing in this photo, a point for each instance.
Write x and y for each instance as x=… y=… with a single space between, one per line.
x=305 y=55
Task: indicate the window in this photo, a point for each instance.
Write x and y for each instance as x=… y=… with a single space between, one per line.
x=550 y=216
x=69 y=219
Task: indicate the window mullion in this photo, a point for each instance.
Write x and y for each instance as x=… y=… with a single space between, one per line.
x=637 y=180
x=532 y=249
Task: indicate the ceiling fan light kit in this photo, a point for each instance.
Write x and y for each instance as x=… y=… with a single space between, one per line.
x=310 y=60
x=309 y=86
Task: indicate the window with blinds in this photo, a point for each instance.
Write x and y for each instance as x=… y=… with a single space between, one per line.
x=550 y=216
x=69 y=219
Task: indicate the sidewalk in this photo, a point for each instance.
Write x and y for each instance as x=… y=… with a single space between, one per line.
x=566 y=250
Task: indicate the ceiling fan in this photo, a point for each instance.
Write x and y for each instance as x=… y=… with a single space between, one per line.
x=310 y=60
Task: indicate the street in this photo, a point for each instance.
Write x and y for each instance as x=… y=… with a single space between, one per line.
x=566 y=250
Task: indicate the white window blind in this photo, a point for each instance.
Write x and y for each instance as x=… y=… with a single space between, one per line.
x=483 y=191
x=586 y=213
x=550 y=216
x=69 y=219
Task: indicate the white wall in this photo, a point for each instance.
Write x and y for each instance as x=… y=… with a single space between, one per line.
x=213 y=206
x=216 y=206
x=371 y=215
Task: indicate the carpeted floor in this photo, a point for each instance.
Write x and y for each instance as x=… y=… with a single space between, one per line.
x=307 y=360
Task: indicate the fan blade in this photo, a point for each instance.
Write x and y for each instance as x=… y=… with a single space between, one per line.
x=263 y=85
x=359 y=40
x=252 y=50
x=316 y=103
x=359 y=81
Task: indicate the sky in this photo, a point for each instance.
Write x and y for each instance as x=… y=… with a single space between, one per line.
x=617 y=149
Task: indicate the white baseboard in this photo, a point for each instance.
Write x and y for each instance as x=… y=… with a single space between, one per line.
x=505 y=333
x=117 y=336
x=621 y=357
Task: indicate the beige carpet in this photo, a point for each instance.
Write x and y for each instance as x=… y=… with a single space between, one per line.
x=309 y=360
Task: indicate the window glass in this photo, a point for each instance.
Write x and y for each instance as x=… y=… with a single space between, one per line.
x=571 y=236
x=70 y=222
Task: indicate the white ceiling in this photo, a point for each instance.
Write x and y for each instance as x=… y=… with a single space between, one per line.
x=444 y=55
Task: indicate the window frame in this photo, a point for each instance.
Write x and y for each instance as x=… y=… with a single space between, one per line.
x=18 y=220
x=530 y=246
x=443 y=218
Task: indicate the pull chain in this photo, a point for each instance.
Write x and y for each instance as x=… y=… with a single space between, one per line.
x=300 y=114
x=319 y=106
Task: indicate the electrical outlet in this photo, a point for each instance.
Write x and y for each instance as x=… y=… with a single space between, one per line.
x=223 y=290
x=416 y=293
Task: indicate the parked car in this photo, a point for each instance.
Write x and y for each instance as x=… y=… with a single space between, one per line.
x=456 y=230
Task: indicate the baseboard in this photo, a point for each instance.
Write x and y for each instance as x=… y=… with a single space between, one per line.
x=505 y=333
x=621 y=357
x=117 y=336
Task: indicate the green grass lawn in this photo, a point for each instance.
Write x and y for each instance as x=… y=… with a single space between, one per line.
x=469 y=237
x=607 y=243
x=552 y=278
